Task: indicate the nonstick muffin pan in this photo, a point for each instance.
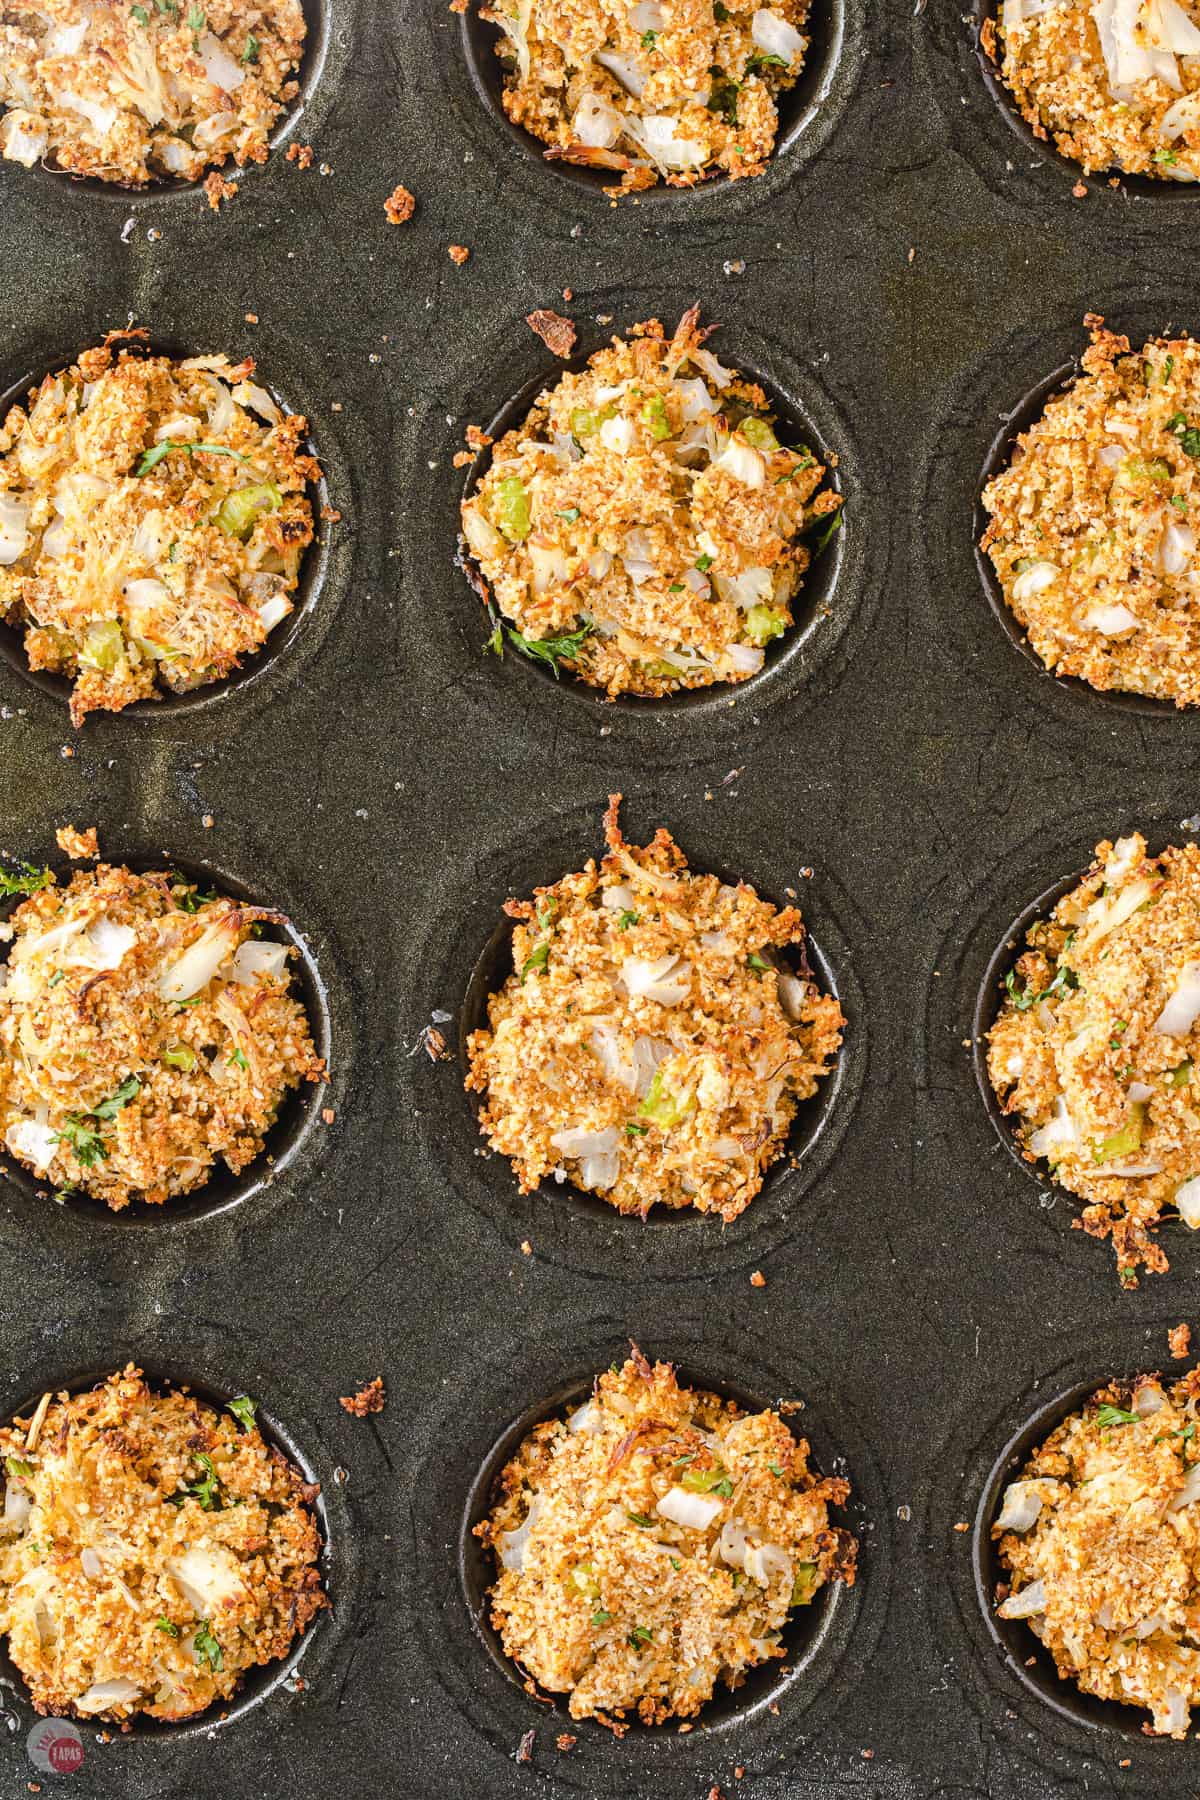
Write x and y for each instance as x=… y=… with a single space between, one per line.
x=903 y=276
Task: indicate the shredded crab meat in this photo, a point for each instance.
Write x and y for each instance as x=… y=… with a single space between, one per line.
x=658 y=1549
x=135 y=94
x=680 y=91
x=646 y=1063
x=1094 y=541
x=1099 y=1539
x=152 y=1551
x=1096 y=1047
x=666 y=548
x=145 y=1035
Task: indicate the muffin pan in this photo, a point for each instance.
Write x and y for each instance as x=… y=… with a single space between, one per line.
x=899 y=764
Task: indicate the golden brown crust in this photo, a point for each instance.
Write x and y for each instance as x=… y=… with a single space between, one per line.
x=369 y=1399
x=132 y=94
x=150 y=1542
x=607 y=1597
x=652 y=1042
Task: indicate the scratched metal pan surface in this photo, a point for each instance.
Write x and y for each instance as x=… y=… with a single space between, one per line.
x=906 y=275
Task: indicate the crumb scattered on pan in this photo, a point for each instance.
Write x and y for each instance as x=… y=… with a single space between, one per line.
x=399 y=206
x=654 y=1542
x=1095 y=1048
x=217 y=189
x=1179 y=1341
x=459 y=253
x=654 y=1038
x=80 y=846
x=557 y=333
x=153 y=1550
x=758 y=1279
x=369 y=1399
x=1099 y=1536
x=301 y=154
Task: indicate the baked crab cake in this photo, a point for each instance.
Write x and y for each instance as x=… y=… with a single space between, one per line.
x=654 y=1542
x=1096 y=1049
x=1114 y=83
x=153 y=519
x=1093 y=524
x=671 y=90
x=653 y=1041
x=147 y=1031
x=644 y=526
x=1099 y=1538
x=153 y=1550
x=135 y=94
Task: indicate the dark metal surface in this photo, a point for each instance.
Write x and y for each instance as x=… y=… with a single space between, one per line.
x=911 y=270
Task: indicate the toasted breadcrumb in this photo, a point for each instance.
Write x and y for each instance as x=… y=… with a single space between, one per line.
x=132 y=94
x=153 y=519
x=1096 y=1049
x=758 y=1279
x=1179 y=1341
x=459 y=254
x=152 y=1551
x=217 y=189
x=607 y=1595
x=399 y=206
x=1100 y=1539
x=557 y=333
x=653 y=1041
x=301 y=154
x=642 y=526
x=691 y=98
x=368 y=1399
x=145 y=1032
x=1095 y=522
x=80 y=846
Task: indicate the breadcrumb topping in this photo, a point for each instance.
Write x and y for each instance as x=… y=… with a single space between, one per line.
x=153 y=519
x=1093 y=527
x=1115 y=83
x=641 y=527
x=653 y=1542
x=152 y=1551
x=138 y=93
x=1096 y=1046
x=655 y=1038
x=677 y=90
x=1100 y=1538
x=146 y=1030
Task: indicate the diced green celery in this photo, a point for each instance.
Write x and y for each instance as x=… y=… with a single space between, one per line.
x=1122 y=1142
x=583 y=422
x=239 y=510
x=662 y=1106
x=1141 y=468
x=512 y=508
x=584 y=1578
x=654 y=417
x=804 y=1584
x=180 y=1056
x=704 y=1481
x=103 y=646
x=764 y=623
x=1180 y=1075
x=758 y=434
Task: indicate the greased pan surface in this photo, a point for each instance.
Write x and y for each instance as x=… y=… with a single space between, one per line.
x=905 y=274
